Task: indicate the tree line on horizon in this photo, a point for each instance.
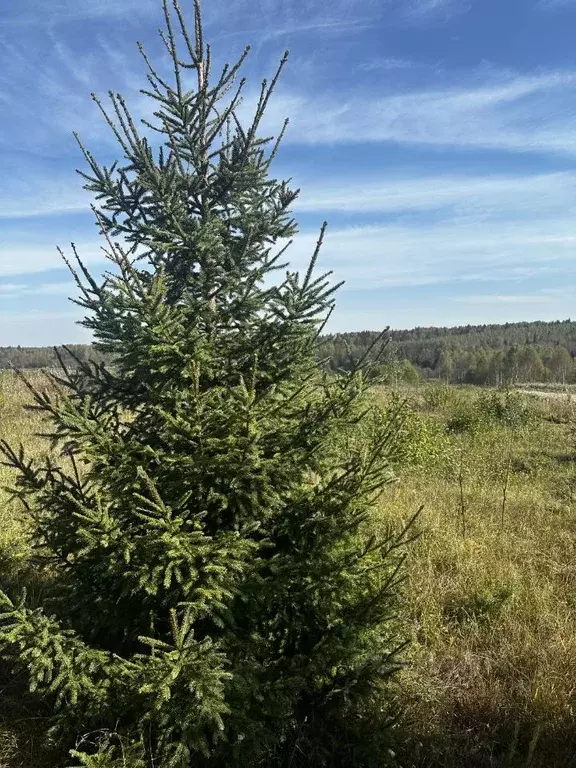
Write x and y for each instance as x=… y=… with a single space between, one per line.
x=485 y=355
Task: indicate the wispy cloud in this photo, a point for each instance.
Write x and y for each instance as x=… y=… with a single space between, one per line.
x=472 y=228
x=387 y=64
x=37 y=194
x=517 y=113
x=242 y=15
x=11 y=289
x=366 y=90
x=41 y=12
x=532 y=196
x=46 y=79
x=450 y=252
x=447 y=251
x=268 y=20
x=555 y=4
x=478 y=109
x=18 y=290
x=513 y=298
x=17 y=260
x=445 y=9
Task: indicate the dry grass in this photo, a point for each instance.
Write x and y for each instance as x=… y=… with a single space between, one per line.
x=22 y=723
x=490 y=601
x=491 y=606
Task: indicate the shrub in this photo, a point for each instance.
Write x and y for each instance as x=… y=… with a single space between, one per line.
x=506 y=407
x=491 y=408
x=418 y=441
x=438 y=396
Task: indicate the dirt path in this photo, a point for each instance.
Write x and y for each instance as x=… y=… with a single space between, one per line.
x=547 y=394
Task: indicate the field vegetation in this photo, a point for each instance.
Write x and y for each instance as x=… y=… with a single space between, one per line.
x=218 y=533
x=489 y=601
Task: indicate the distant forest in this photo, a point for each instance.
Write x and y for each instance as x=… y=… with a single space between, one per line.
x=473 y=354
x=45 y=357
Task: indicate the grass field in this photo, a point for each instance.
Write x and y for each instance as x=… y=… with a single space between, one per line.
x=490 y=596
x=22 y=725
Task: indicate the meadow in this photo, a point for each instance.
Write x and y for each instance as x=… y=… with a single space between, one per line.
x=489 y=600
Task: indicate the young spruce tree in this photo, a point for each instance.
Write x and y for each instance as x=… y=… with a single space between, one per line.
x=212 y=594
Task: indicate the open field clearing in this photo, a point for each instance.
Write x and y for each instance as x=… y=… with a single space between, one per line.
x=489 y=600
x=490 y=593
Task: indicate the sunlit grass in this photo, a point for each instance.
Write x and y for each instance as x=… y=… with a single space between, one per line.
x=490 y=598
x=22 y=724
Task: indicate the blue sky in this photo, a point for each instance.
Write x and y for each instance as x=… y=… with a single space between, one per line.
x=438 y=137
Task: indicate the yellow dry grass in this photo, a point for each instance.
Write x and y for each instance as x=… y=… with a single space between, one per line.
x=490 y=598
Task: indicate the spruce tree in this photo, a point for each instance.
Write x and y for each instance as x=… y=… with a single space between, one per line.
x=212 y=590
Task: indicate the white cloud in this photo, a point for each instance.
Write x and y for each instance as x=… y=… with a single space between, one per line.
x=497 y=298
x=47 y=80
x=285 y=17
x=509 y=112
x=497 y=196
x=37 y=195
x=387 y=64
x=41 y=12
x=256 y=21
x=443 y=8
x=464 y=228
x=445 y=228
x=518 y=112
x=556 y=4
x=22 y=260
x=455 y=249
x=396 y=255
x=11 y=289
x=481 y=196
x=17 y=290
